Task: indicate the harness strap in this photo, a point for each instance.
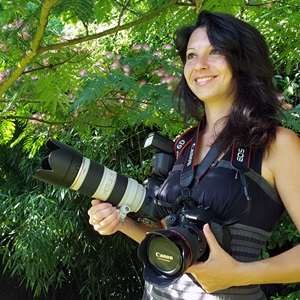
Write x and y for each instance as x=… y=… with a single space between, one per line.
x=183 y=141
x=264 y=185
x=206 y=163
x=240 y=161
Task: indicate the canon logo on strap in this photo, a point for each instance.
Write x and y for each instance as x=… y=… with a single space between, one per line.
x=240 y=154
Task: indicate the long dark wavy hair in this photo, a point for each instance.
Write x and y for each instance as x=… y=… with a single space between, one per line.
x=254 y=113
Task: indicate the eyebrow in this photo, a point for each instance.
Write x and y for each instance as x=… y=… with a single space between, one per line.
x=209 y=46
x=191 y=48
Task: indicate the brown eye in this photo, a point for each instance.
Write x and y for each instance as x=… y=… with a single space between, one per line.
x=190 y=56
x=215 y=52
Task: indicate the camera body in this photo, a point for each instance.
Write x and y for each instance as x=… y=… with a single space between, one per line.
x=167 y=253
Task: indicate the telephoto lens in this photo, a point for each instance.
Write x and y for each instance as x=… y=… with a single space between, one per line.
x=67 y=168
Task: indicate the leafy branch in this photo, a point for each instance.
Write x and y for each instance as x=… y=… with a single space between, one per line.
x=38 y=120
x=34 y=46
x=248 y=3
x=53 y=65
x=143 y=19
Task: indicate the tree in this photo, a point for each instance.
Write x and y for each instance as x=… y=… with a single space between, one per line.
x=99 y=75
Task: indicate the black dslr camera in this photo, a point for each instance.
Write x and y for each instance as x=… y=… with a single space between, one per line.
x=166 y=254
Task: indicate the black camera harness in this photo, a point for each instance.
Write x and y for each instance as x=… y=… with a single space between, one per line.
x=240 y=161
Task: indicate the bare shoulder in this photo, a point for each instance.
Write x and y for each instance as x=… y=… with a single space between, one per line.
x=282 y=157
x=285 y=135
x=282 y=165
x=285 y=148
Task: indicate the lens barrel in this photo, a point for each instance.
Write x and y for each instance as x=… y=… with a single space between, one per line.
x=67 y=168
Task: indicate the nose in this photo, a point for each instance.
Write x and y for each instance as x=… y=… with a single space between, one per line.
x=201 y=63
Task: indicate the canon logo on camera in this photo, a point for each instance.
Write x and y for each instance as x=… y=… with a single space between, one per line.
x=164 y=256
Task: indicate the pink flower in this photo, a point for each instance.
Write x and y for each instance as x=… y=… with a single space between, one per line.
x=142 y=82
x=159 y=72
x=99 y=63
x=18 y=23
x=126 y=69
x=158 y=53
x=115 y=65
x=2 y=76
x=168 y=79
x=146 y=47
x=167 y=47
x=82 y=72
x=136 y=47
x=26 y=36
x=36 y=117
x=280 y=96
x=286 y=105
x=109 y=55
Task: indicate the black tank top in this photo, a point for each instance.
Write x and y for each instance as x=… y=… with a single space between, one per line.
x=222 y=190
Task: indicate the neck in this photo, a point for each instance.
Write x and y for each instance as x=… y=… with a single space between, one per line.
x=216 y=120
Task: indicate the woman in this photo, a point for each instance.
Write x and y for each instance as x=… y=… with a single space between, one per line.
x=227 y=72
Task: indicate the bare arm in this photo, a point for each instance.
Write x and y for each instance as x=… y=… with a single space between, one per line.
x=282 y=165
x=106 y=220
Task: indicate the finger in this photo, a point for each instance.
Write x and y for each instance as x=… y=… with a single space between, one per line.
x=95 y=202
x=104 y=213
x=109 y=224
x=96 y=208
x=210 y=237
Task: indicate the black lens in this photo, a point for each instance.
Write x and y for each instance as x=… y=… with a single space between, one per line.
x=167 y=254
x=164 y=255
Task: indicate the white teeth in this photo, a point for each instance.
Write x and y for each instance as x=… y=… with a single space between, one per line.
x=204 y=79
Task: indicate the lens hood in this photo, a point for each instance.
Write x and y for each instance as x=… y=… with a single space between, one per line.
x=61 y=166
x=153 y=272
x=167 y=254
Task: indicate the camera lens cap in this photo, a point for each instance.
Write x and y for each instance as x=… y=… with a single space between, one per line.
x=164 y=255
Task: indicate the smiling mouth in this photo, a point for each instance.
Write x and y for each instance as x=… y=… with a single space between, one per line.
x=204 y=79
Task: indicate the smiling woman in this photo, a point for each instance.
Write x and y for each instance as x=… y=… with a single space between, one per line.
x=207 y=72
x=243 y=186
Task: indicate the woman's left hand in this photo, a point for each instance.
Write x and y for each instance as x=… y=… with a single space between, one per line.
x=219 y=271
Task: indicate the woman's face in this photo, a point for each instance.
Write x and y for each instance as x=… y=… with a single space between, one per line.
x=207 y=71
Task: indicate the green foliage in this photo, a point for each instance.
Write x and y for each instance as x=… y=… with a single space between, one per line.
x=46 y=238
x=284 y=236
x=71 y=10
x=278 y=22
x=101 y=92
x=291 y=296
